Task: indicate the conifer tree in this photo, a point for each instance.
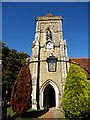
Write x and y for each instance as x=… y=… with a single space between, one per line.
x=75 y=98
x=21 y=92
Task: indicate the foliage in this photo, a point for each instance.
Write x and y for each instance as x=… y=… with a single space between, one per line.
x=89 y=97
x=10 y=112
x=11 y=64
x=21 y=92
x=75 y=98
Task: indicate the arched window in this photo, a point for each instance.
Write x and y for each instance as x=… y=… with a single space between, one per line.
x=48 y=35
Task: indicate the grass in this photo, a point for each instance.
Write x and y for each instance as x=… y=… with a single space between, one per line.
x=30 y=110
x=10 y=112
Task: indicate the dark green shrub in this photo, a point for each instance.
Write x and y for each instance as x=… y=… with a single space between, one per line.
x=75 y=98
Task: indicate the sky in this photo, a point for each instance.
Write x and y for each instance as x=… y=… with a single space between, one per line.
x=19 y=25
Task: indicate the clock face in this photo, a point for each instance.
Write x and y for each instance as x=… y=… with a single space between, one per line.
x=49 y=45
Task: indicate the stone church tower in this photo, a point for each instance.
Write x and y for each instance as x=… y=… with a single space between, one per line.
x=48 y=67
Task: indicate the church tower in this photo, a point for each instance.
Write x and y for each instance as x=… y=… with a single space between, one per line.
x=48 y=64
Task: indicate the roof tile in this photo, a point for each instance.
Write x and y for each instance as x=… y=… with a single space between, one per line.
x=84 y=63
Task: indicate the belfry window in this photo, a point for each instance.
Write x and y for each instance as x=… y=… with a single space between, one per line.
x=48 y=35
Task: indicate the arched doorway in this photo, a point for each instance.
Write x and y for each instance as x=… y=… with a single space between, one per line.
x=49 y=97
x=44 y=89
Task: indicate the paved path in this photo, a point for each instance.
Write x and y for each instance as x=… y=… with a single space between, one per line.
x=53 y=113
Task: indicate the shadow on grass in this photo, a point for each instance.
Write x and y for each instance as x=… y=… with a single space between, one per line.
x=35 y=114
x=88 y=117
x=30 y=114
x=12 y=118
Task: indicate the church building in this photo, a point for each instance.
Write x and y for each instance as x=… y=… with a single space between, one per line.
x=48 y=63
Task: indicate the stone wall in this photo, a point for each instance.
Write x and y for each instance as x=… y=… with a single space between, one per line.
x=41 y=50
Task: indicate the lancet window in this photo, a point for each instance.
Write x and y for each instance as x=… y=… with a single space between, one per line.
x=48 y=35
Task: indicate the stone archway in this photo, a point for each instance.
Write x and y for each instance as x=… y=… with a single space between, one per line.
x=53 y=88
